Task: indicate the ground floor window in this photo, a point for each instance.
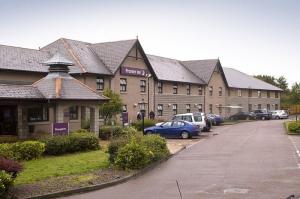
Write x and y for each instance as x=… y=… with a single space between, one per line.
x=38 y=114
x=188 y=108
x=124 y=108
x=210 y=108
x=200 y=109
x=160 y=109
x=174 y=108
x=73 y=112
x=276 y=107
x=249 y=107
x=268 y=107
x=259 y=106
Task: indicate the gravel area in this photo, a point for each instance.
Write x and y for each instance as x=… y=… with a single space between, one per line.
x=65 y=183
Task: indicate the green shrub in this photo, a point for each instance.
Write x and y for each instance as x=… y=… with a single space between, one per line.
x=9 y=139
x=86 y=124
x=105 y=132
x=74 y=142
x=6 y=150
x=22 y=150
x=114 y=147
x=6 y=181
x=132 y=156
x=147 y=123
x=156 y=145
x=27 y=150
x=81 y=131
x=294 y=126
x=118 y=131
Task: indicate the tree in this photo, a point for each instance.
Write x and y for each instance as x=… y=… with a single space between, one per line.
x=112 y=107
x=282 y=83
x=294 y=96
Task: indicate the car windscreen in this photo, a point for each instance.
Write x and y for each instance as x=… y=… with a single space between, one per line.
x=197 y=118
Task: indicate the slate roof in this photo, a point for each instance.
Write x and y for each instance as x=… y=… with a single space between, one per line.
x=113 y=53
x=68 y=88
x=202 y=68
x=22 y=59
x=172 y=70
x=238 y=79
x=19 y=92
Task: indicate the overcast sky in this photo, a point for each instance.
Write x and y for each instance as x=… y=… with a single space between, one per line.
x=254 y=36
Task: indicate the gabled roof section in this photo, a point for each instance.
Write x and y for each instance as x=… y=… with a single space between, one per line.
x=113 y=53
x=238 y=79
x=80 y=53
x=19 y=92
x=167 y=69
x=22 y=59
x=202 y=68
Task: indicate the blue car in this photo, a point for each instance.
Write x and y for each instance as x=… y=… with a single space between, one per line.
x=174 y=129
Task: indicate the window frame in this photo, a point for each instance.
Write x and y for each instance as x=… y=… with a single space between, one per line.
x=174 y=109
x=143 y=86
x=73 y=116
x=211 y=90
x=239 y=93
x=100 y=83
x=159 y=87
x=160 y=109
x=200 y=90
x=44 y=117
x=188 y=108
x=220 y=91
x=175 y=88
x=123 y=85
x=188 y=89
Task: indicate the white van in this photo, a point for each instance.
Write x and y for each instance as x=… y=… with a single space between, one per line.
x=198 y=119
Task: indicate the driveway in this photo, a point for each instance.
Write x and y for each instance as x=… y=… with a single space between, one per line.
x=248 y=160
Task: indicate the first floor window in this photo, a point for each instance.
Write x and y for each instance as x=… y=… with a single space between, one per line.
x=268 y=94
x=188 y=89
x=276 y=94
x=143 y=86
x=200 y=108
x=100 y=83
x=188 y=108
x=249 y=93
x=175 y=88
x=174 y=108
x=258 y=93
x=276 y=107
x=268 y=107
x=38 y=114
x=220 y=91
x=239 y=92
x=160 y=87
x=210 y=108
x=210 y=89
x=200 y=90
x=123 y=85
x=73 y=112
x=160 y=109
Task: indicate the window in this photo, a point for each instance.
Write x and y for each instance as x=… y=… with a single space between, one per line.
x=268 y=94
x=276 y=95
x=210 y=89
x=259 y=106
x=187 y=118
x=100 y=83
x=200 y=109
x=220 y=109
x=220 y=91
x=143 y=86
x=210 y=108
x=188 y=89
x=276 y=107
x=123 y=85
x=160 y=109
x=239 y=92
x=73 y=112
x=38 y=114
x=249 y=107
x=175 y=88
x=268 y=107
x=174 y=108
x=160 y=87
x=250 y=93
x=200 y=90
x=124 y=109
x=258 y=93
x=188 y=108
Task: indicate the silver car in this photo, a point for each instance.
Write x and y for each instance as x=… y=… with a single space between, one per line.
x=280 y=114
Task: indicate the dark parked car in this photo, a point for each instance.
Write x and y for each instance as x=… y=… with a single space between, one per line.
x=262 y=114
x=214 y=119
x=241 y=116
x=175 y=129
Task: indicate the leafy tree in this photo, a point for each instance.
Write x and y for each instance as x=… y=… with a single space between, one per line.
x=294 y=96
x=112 y=107
x=282 y=83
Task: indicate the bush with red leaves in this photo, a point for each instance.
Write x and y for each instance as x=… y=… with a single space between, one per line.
x=10 y=166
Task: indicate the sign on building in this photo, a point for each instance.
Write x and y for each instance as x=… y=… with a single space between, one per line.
x=60 y=129
x=133 y=71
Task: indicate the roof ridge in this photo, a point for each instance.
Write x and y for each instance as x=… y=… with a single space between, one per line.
x=192 y=72
x=201 y=60
x=113 y=41
x=4 y=45
x=164 y=57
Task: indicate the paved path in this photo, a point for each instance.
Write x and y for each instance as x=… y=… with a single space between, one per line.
x=248 y=160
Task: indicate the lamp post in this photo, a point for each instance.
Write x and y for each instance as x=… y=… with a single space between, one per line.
x=148 y=92
x=142 y=109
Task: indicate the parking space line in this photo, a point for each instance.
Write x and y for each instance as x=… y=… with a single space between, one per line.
x=297 y=157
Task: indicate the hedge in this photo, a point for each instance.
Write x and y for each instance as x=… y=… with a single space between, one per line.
x=147 y=123
x=26 y=150
x=74 y=142
x=156 y=145
x=294 y=126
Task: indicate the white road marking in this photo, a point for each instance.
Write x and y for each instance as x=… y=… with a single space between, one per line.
x=297 y=151
x=236 y=190
x=189 y=146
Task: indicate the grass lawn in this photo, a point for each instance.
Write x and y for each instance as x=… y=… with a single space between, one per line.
x=53 y=166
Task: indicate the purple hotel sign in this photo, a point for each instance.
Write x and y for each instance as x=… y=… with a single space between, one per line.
x=133 y=71
x=60 y=129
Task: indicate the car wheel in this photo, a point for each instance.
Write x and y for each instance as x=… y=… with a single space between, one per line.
x=148 y=132
x=277 y=118
x=185 y=135
x=263 y=117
